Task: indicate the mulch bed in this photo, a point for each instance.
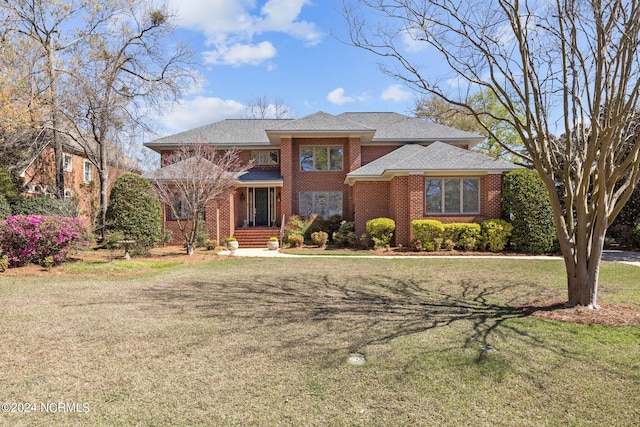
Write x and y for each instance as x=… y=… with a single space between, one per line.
x=608 y=314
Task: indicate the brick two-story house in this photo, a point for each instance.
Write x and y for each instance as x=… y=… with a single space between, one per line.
x=358 y=165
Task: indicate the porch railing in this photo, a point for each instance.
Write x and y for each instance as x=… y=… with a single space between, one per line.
x=282 y=230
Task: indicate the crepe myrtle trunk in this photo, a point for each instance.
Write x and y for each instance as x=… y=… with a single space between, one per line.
x=582 y=254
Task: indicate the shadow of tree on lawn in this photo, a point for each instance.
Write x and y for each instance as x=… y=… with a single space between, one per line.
x=327 y=314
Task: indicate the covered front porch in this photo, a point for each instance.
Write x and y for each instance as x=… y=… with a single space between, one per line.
x=258 y=199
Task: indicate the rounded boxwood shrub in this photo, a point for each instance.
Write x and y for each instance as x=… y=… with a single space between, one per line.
x=134 y=210
x=429 y=233
x=381 y=231
x=527 y=206
x=464 y=235
x=494 y=234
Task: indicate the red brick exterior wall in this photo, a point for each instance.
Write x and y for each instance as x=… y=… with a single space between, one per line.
x=403 y=199
x=315 y=181
x=219 y=223
x=371 y=200
x=371 y=153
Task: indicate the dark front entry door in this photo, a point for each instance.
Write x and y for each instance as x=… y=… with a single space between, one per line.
x=262 y=206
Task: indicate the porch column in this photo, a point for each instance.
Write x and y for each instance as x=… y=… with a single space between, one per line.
x=287 y=163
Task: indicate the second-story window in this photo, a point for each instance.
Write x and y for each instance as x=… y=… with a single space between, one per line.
x=320 y=158
x=88 y=171
x=67 y=159
x=264 y=157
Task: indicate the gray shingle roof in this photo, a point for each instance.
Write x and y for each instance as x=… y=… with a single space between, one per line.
x=230 y=132
x=436 y=157
x=373 y=127
x=321 y=122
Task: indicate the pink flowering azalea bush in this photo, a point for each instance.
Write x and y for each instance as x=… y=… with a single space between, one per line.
x=32 y=238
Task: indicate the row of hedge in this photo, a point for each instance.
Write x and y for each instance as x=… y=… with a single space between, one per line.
x=432 y=235
x=44 y=206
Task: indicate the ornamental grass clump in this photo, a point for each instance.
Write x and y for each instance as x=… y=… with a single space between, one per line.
x=32 y=239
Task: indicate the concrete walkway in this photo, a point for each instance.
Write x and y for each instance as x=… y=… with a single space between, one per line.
x=626 y=257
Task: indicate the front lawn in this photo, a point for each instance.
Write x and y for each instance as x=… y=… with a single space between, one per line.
x=265 y=342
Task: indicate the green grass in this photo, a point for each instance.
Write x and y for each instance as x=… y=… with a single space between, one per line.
x=265 y=342
x=116 y=266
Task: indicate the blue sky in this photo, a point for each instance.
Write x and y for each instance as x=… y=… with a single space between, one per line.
x=279 y=49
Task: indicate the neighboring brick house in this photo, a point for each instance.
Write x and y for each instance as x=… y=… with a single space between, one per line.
x=358 y=165
x=80 y=176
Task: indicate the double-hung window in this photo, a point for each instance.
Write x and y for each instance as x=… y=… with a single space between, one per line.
x=452 y=195
x=321 y=158
x=88 y=171
x=67 y=160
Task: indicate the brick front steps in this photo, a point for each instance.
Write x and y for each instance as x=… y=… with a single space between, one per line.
x=255 y=237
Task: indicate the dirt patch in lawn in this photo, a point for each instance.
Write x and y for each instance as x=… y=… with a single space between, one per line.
x=608 y=314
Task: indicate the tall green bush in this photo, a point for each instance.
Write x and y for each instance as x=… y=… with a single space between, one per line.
x=634 y=237
x=5 y=209
x=134 y=210
x=43 y=206
x=527 y=206
x=381 y=231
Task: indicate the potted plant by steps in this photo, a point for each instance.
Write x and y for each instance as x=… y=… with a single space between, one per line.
x=232 y=244
x=273 y=243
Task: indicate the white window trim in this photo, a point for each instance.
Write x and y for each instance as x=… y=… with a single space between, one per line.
x=461 y=195
x=313 y=198
x=328 y=147
x=268 y=153
x=84 y=171
x=68 y=166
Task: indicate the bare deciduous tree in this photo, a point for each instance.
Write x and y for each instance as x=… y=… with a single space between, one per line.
x=263 y=108
x=568 y=67
x=193 y=178
x=124 y=71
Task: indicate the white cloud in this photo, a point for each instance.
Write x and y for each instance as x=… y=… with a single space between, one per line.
x=338 y=97
x=241 y=54
x=230 y=26
x=395 y=93
x=199 y=112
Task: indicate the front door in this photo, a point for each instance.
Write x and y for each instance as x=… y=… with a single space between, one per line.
x=261 y=206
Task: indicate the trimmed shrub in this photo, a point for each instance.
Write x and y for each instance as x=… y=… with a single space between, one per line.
x=494 y=234
x=134 y=210
x=429 y=233
x=4 y=263
x=527 y=206
x=320 y=238
x=345 y=235
x=464 y=235
x=297 y=225
x=296 y=240
x=43 y=206
x=5 y=209
x=634 y=236
x=32 y=239
x=381 y=231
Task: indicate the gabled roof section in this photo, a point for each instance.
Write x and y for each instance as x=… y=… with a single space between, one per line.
x=437 y=157
x=320 y=122
x=229 y=132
